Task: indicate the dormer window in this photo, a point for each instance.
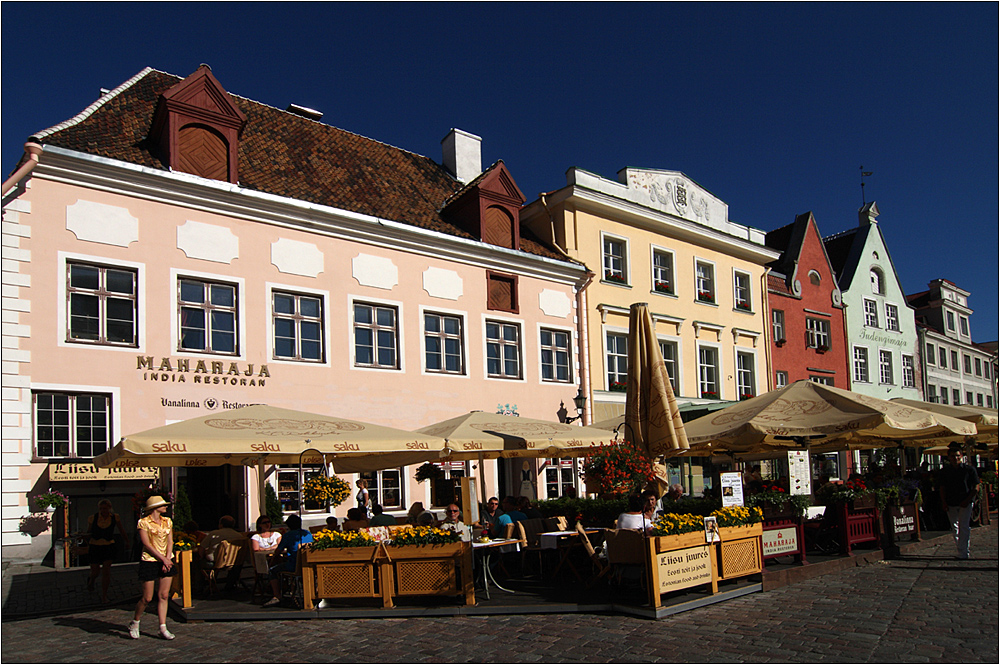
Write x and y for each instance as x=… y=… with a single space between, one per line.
x=488 y=208
x=197 y=126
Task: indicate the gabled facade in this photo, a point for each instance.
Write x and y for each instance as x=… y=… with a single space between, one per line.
x=658 y=237
x=880 y=328
x=806 y=312
x=956 y=370
x=175 y=250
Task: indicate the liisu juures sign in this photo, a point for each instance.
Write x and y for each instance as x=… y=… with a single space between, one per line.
x=202 y=372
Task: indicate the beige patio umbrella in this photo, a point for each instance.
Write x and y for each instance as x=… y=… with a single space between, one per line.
x=805 y=412
x=255 y=435
x=652 y=419
x=986 y=420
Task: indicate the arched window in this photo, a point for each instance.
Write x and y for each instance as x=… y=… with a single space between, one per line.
x=814 y=278
x=878 y=283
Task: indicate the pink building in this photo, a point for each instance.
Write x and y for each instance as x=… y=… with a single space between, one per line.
x=175 y=250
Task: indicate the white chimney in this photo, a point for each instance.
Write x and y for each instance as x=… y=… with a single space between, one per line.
x=462 y=155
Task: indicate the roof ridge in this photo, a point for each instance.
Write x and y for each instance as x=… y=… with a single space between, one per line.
x=101 y=101
x=839 y=234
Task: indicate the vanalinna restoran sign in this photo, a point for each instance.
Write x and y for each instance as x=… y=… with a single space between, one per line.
x=213 y=372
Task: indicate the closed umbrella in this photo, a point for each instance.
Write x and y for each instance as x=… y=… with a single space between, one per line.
x=652 y=418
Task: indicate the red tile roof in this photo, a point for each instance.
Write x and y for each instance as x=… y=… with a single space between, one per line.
x=287 y=155
x=776 y=284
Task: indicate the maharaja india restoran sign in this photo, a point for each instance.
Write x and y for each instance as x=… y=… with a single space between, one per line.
x=214 y=372
x=83 y=471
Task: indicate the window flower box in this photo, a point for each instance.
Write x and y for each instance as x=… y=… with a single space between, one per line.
x=614 y=278
x=780 y=342
x=822 y=348
x=708 y=394
x=746 y=396
x=743 y=307
x=618 y=387
x=662 y=287
x=706 y=296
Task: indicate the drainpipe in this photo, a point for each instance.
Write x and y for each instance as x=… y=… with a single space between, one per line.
x=32 y=150
x=767 y=329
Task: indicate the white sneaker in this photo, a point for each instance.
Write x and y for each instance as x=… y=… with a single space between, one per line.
x=164 y=633
x=133 y=629
x=322 y=604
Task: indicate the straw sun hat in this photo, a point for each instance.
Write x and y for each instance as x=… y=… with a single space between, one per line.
x=154 y=502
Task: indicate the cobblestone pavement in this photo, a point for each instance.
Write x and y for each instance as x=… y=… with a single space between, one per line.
x=924 y=608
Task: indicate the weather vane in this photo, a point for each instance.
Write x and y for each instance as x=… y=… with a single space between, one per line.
x=863 y=175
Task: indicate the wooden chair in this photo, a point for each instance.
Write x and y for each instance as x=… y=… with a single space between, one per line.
x=261 y=573
x=528 y=533
x=626 y=550
x=600 y=565
x=229 y=558
x=291 y=583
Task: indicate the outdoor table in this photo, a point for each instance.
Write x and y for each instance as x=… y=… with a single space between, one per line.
x=560 y=540
x=486 y=553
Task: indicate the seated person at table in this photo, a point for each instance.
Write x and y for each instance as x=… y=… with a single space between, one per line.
x=332 y=524
x=488 y=518
x=651 y=505
x=634 y=518
x=355 y=520
x=294 y=539
x=510 y=515
x=379 y=518
x=195 y=532
x=265 y=542
x=418 y=513
x=210 y=545
x=453 y=521
x=530 y=512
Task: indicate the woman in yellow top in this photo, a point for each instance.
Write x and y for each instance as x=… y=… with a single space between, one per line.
x=156 y=568
x=101 y=546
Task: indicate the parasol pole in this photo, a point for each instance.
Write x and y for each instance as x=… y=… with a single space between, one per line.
x=482 y=479
x=261 y=500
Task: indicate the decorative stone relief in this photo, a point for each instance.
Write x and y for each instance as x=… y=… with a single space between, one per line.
x=555 y=303
x=835 y=297
x=99 y=222
x=441 y=283
x=207 y=242
x=296 y=258
x=375 y=271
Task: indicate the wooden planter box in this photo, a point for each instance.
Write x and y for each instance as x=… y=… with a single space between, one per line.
x=679 y=562
x=678 y=542
x=180 y=585
x=784 y=535
x=426 y=570
x=740 y=552
x=856 y=523
x=338 y=572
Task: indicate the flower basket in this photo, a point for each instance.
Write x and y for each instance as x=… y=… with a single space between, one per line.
x=428 y=471
x=49 y=501
x=326 y=490
x=617 y=469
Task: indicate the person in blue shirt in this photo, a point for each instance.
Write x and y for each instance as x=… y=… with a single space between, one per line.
x=293 y=539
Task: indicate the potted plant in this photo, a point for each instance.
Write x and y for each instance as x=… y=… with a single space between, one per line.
x=326 y=490
x=49 y=501
x=774 y=501
x=428 y=471
x=617 y=470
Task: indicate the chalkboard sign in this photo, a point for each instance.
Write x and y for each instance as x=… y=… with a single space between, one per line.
x=470 y=501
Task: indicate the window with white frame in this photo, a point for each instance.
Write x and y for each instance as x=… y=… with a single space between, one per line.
x=963 y=322
x=877 y=281
x=943 y=357
x=376 y=336
x=780 y=379
x=979 y=367
x=931 y=357
x=741 y=291
x=986 y=370
x=861 y=364
x=871 y=313
x=298 y=326
x=979 y=399
x=818 y=333
x=968 y=397
x=291 y=478
x=950 y=319
x=448 y=487
x=778 y=325
x=967 y=363
x=822 y=380
x=954 y=360
x=704 y=279
x=503 y=350
x=885 y=367
x=617 y=360
x=560 y=477
x=663 y=272
x=932 y=393
x=909 y=373
x=102 y=304
x=555 y=355
x=746 y=382
x=615 y=262
x=208 y=316
x=891 y=317
x=670 y=352
x=443 y=349
x=708 y=372
x=944 y=395
x=956 y=396
x=71 y=425
x=385 y=488
x=989 y=401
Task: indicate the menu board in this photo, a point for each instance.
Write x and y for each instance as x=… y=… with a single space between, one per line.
x=799 y=480
x=732 y=489
x=680 y=569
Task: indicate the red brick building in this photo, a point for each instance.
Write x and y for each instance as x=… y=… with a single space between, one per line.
x=806 y=313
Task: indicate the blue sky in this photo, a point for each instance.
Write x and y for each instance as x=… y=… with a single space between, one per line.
x=771 y=107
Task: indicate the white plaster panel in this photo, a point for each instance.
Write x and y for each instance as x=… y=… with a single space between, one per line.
x=17 y=486
x=12 y=229
x=12 y=305
x=296 y=258
x=441 y=283
x=555 y=303
x=12 y=447
x=19 y=205
x=207 y=242
x=17 y=433
x=10 y=499
x=13 y=381
x=375 y=271
x=15 y=279
x=14 y=254
x=11 y=538
x=99 y=222
x=16 y=330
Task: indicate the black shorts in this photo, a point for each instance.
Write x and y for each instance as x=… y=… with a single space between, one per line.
x=153 y=570
x=101 y=553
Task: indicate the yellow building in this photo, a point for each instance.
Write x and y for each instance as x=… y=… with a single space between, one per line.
x=658 y=237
